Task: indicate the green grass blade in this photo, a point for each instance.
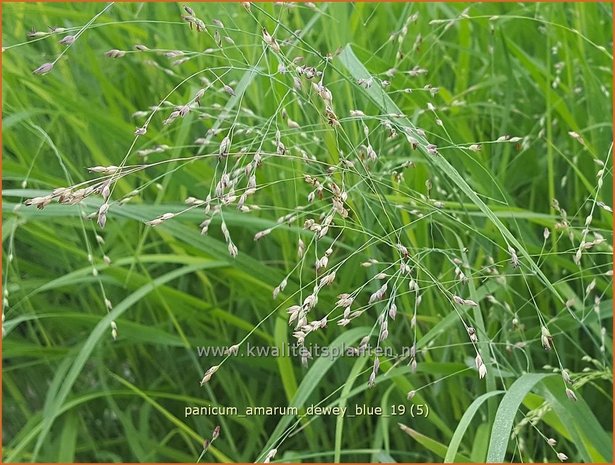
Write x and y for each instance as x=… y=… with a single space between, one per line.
x=464 y=423
x=505 y=416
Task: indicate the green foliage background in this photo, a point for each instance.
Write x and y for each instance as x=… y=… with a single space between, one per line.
x=531 y=71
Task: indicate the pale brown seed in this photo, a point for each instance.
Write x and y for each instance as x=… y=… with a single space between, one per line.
x=570 y=394
x=225 y=146
x=67 y=40
x=114 y=53
x=43 y=69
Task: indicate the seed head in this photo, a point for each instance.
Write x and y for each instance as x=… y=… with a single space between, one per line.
x=379 y=294
x=102 y=215
x=300 y=248
x=545 y=338
x=39 y=202
x=115 y=53
x=34 y=34
x=67 y=40
x=43 y=69
x=208 y=374
x=261 y=234
x=372 y=380
x=232 y=250
x=576 y=137
x=345 y=300
x=571 y=395
x=270 y=455
x=199 y=95
x=280 y=288
x=393 y=311
x=327 y=279
x=225 y=146
x=270 y=41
